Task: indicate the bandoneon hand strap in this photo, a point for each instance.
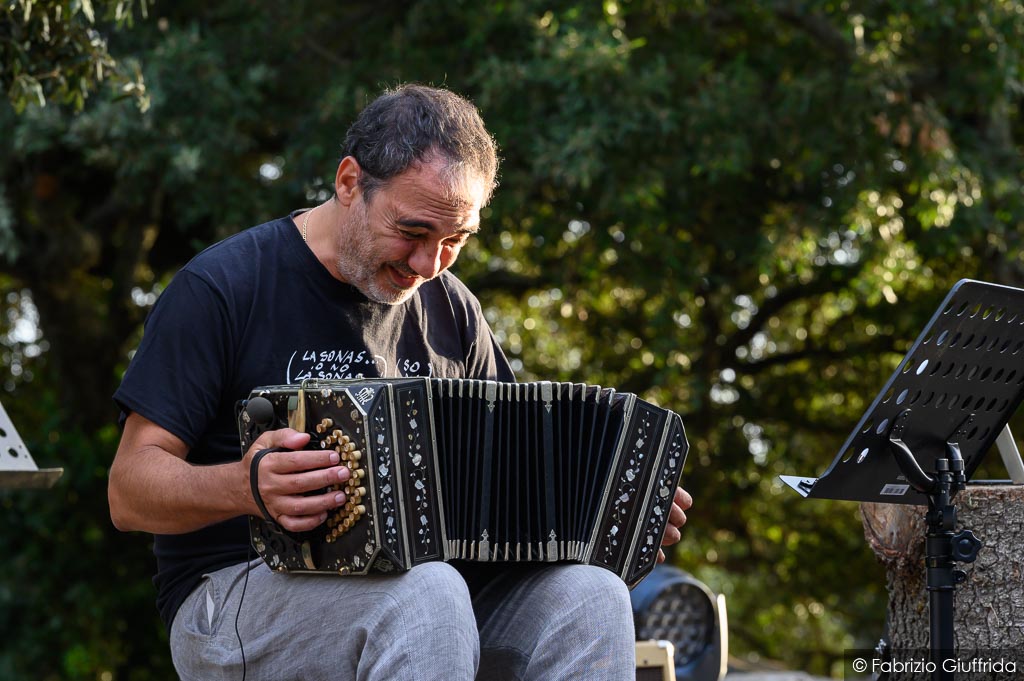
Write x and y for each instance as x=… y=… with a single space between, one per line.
x=254 y=480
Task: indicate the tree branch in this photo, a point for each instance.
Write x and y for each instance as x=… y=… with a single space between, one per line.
x=816 y=27
x=878 y=346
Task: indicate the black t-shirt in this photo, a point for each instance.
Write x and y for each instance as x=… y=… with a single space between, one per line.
x=260 y=309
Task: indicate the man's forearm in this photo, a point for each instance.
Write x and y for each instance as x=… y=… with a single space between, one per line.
x=152 y=487
x=163 y=494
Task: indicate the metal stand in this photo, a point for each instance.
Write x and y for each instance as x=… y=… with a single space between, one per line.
x=966 y=368
x=17 y=469
x=943 y=547
x=1010 y=455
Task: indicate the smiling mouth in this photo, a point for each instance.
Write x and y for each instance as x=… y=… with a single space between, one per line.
x=401 y=278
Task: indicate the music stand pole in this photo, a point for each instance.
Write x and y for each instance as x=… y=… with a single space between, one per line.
x=943 y=547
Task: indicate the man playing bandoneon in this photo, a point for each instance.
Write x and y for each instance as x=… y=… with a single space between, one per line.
x=357 y=286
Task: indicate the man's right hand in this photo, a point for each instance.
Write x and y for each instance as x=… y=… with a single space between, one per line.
x=287 y=479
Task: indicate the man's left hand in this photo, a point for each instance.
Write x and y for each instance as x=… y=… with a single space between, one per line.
x=676 y=519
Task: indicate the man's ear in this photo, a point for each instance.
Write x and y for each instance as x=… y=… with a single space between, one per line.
x=346 y=180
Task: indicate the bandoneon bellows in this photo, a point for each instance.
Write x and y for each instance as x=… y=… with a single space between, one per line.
x=446 y=469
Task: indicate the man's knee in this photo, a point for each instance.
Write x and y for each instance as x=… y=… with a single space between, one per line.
x=437 y=592
x=590 y=589
x=428 y=631
x=581 y=601
x=563 y=621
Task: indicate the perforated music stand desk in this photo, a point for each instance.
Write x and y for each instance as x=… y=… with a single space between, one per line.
x=968 y=362
x=17 y=468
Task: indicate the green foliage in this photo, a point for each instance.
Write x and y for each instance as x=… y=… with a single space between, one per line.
x=55 y=49
x=743 y=210
x=75 y=597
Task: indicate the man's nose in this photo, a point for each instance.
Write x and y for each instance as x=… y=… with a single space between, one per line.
x=426 y=260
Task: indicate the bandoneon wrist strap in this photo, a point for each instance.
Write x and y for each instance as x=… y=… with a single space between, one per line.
x=254 y=480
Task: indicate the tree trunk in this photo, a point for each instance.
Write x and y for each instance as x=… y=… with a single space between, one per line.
x=989 y=605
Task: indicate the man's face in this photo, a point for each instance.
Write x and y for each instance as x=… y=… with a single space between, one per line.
x=411 y=230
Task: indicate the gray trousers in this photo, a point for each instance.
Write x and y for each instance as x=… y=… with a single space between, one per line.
x=554 y=622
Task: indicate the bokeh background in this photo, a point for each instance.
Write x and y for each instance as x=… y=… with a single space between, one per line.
x=741 y=210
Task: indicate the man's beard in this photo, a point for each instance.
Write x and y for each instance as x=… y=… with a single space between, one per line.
x=362 y=267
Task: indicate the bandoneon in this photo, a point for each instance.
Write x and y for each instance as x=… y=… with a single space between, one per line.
x=446 y=469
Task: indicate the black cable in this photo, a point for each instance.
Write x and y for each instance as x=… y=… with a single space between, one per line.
x=238 y=613
x=254 y=412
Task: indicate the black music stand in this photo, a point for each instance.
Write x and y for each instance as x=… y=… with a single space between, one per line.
x=928 y=429
x=17 y=469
